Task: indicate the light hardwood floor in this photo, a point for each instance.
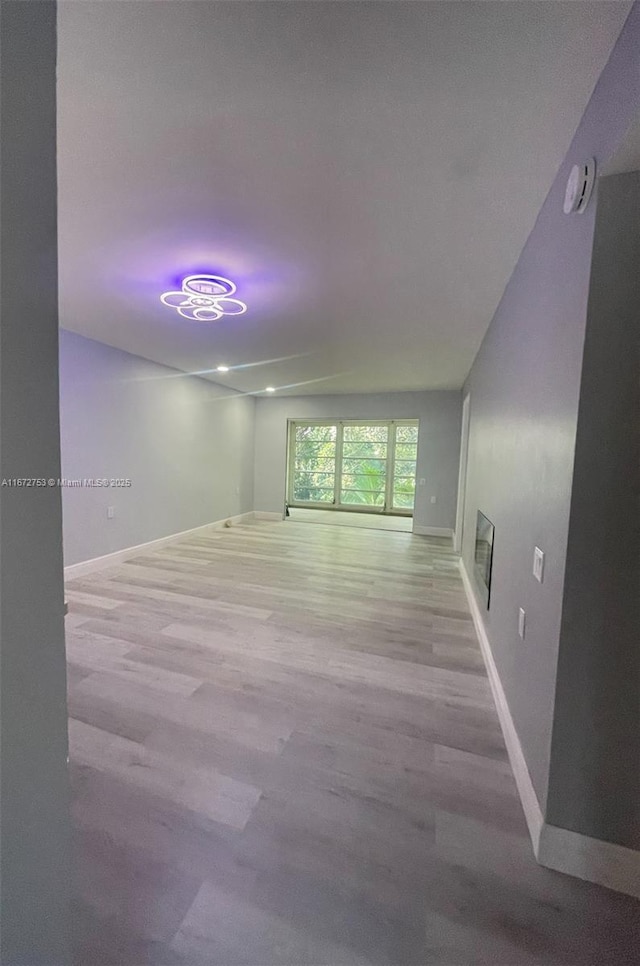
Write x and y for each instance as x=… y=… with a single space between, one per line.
x=284 y=751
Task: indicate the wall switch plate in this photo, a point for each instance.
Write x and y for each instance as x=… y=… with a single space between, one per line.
x=521 y=622
x=111 y=512
x=538 y=563
x=433 y=499
x=421 y=481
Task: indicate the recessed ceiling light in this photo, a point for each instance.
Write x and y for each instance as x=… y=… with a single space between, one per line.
x=270 y=389
x=204 y=298
x=222 y=369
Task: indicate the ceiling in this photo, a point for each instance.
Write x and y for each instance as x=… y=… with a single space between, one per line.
x=366 y=173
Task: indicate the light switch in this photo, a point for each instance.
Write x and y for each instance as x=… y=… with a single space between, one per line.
x=421 y=481
x=538 y=563
x=521 y=622
x=433 y=499
x=111 y=512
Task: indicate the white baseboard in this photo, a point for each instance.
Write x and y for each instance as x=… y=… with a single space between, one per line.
x=432 y=531
x=528 y=797
x=604 y=863
x=118 y=556
x=267 y=515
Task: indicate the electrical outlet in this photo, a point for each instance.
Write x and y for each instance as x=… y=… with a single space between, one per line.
x=521 y=622
x=538 y=563
x=111 y=512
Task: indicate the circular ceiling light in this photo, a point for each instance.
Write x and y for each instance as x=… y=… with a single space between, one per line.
x=204 y=298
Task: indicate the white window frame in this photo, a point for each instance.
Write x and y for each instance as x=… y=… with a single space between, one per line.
x=387 y=509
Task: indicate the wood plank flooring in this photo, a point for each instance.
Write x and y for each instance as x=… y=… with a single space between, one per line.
x=284 y=752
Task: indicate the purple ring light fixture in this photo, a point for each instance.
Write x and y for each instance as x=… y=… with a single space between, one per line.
x=204 y=298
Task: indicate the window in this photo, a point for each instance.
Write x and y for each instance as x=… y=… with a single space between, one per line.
x=349 y=464
x=363 y=476
x=405 y=455
x=314 y=473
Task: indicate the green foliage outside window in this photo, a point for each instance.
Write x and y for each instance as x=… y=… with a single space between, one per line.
x=365 y=450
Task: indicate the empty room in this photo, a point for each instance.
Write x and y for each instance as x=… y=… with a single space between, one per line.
x=320 y=484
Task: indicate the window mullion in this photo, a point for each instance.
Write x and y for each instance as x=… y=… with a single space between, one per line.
x=338 y=465
x=391 y=456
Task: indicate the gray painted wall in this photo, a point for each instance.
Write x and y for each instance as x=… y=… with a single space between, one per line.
x=438 y=443
x=525 y=385
x=34 y=830
x=185 y=443
x=594 y=784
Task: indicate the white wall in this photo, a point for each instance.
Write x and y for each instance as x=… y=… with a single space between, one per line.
x=596 y=725
x=185 y=443
x=525 y=387
x=438 y=443
x=34 y=811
